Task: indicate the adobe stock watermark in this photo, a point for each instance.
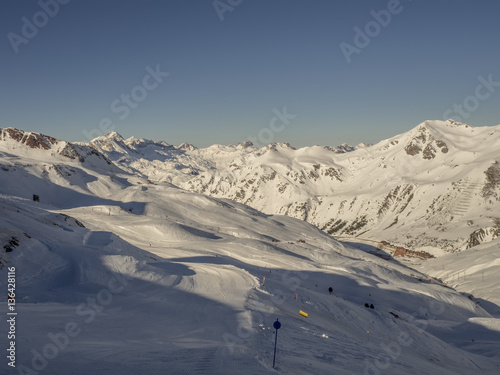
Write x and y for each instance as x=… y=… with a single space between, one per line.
x=392 y=351
x=277 y=124
x=123 y=105
x=223 y=6
x=30 y=26
x=372 y=29
x=483 y=91
x=57 y=342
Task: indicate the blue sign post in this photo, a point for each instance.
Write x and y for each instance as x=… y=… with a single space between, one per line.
x=276 y=325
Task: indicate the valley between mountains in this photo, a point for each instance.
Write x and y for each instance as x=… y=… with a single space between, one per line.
x=177 y=260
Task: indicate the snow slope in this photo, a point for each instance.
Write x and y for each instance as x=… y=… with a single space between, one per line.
x=474 y=272
x=150 y=278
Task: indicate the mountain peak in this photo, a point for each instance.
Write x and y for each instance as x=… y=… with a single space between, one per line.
x=111 y=136
x=114 y=136
x=281 y=145
x=422 y=140
x=439 y=124
x=245 y=144
x=456 y=123
x=186 y=146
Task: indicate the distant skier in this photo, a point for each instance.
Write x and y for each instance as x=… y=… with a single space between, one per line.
x=330 y=289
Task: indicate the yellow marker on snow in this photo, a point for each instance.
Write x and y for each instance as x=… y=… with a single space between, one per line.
x=303 y=313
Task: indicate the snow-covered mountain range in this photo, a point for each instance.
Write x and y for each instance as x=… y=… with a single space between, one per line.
x=437 y=185
x=173 y=259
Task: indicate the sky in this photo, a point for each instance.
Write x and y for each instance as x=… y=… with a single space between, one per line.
x=202 y=71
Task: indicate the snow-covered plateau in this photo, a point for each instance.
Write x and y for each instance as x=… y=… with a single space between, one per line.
x=131 y=256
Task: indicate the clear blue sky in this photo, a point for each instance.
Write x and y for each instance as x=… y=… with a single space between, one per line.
x=226 y=77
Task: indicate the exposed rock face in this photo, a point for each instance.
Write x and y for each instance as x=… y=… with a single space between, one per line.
x=425 y=143
x=492 y=181
x=45 y=142
x=483 y=235
x=341 y=149
x=413 y=149
x=32 y=140
x=11 y=244
x=70 y=152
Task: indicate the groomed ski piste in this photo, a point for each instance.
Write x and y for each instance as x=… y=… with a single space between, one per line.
x=117 y=275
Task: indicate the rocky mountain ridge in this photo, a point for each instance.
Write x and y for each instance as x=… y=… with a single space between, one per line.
x=437 y=185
